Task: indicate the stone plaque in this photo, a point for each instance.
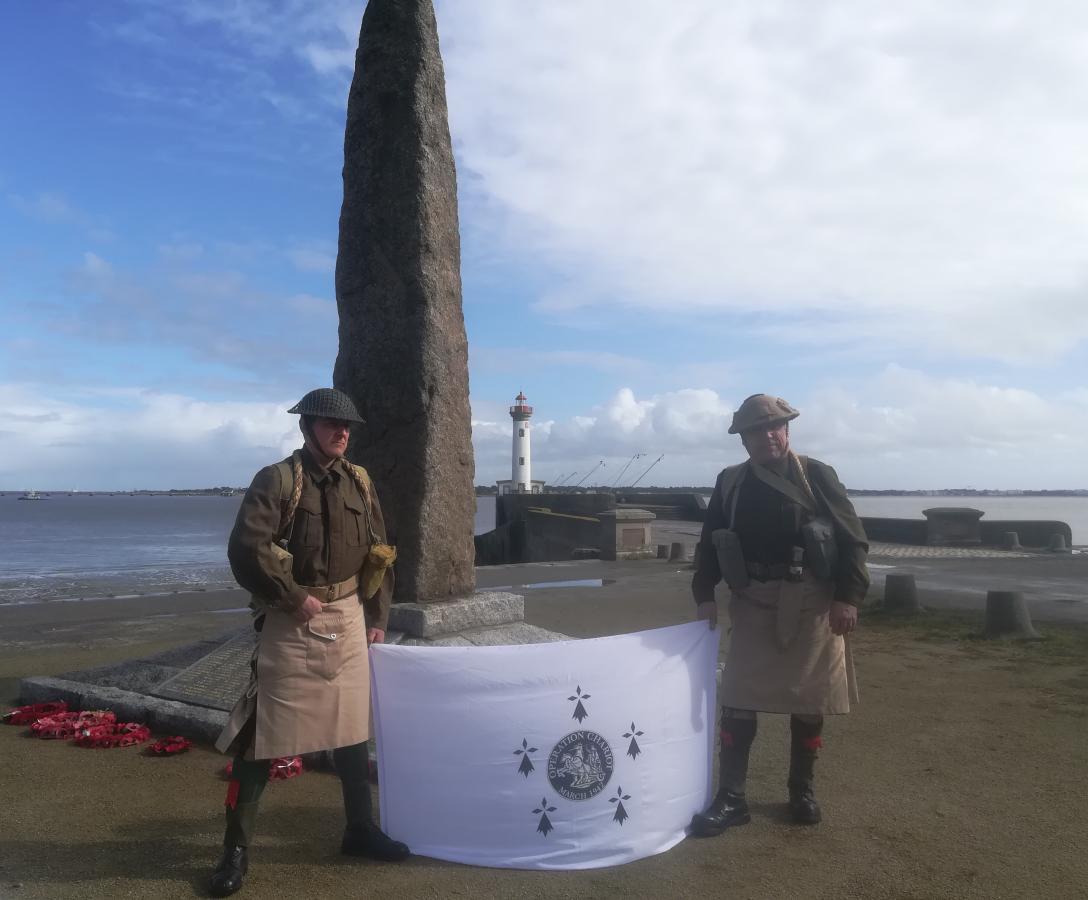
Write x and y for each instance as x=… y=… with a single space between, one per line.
x=217 y=680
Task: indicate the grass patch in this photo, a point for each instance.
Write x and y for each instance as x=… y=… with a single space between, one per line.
x=1061 y=643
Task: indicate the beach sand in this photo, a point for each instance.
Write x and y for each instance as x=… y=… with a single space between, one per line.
x=961 y=774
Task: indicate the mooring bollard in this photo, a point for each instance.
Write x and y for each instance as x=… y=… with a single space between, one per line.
x=1057 y=543
x=1007 y=616
x=676 y=551
x=901 y=594
x=1010 y=540
x=662 y=551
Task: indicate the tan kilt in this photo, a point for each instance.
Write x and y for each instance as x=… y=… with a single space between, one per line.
x=782 y=656
x=311 y=687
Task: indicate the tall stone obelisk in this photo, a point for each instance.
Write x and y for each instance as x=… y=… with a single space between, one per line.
x=403 y=353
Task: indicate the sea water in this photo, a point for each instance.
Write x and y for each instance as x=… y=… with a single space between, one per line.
x=67 y=547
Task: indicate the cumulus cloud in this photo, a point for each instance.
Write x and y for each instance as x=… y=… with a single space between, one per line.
x=898 y=428
x=123 y=439
x=902 y=429
x=904 y=170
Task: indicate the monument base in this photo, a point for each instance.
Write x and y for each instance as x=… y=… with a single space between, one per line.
x=189 y=690
x=482 y=619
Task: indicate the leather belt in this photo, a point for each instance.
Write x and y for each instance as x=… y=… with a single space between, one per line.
x=330 y=593
x=763 y=572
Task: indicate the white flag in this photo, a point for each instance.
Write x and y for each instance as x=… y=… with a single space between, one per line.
x=570 y=755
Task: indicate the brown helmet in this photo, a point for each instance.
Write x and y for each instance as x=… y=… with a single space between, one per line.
x=327 y=403
x=760 y=410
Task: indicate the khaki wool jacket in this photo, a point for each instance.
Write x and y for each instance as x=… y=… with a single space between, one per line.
x=328 y=537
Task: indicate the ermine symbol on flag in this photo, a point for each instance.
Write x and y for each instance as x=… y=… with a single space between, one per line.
x=526 y=764
x=579 y=710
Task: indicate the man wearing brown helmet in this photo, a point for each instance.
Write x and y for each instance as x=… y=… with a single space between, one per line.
x=309 y=545
x=783 y=534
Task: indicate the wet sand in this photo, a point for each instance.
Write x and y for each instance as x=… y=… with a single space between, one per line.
x=961 y=774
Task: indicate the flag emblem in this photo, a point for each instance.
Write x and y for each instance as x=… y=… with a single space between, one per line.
x=580 y=765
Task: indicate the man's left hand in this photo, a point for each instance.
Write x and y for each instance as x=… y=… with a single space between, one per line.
x=843 y=618
x=375 y=636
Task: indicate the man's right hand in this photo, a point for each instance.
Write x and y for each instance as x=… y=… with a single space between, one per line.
x=708 y=611
x=311 y=606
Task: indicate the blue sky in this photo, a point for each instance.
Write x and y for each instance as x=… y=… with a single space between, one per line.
x=874 y=211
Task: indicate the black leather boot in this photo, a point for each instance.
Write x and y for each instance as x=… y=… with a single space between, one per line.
x=362 y=837
x=805 y=742
x=729 y=807
x=230 y=873
x=247 y=783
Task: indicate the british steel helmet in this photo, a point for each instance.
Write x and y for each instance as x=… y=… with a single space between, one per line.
x=760 y=410
x=328 y=403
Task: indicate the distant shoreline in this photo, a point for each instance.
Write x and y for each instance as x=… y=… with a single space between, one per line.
x=856 y=492
x=488 y=491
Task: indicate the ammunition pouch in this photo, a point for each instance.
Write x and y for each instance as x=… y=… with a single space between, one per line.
x=821 y=548
x=730 y=558
x=378 y=561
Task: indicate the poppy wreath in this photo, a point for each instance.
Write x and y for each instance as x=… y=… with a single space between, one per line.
x=279 y=769
x=66 y=725
x=169 y=745
x=28 y=715
x=284 y=767
x=116 y=734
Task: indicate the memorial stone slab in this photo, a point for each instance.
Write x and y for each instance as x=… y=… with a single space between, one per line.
x=215 y=681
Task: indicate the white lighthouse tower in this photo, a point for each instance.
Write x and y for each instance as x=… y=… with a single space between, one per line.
x=521 y=481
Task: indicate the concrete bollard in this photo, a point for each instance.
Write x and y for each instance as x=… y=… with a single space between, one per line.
x=1010 y=540
x=662 y=551
x=676 y=552
x=901 y=594
x=1007 y=616
x=1057 y=543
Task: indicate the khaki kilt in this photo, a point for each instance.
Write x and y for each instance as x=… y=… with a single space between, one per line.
x=311 y=686
x=782 y=655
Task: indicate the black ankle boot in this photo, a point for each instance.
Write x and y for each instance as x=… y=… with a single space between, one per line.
x=370 y=841
x=805 y=742
x=362 y=837
x=230 y=873
x=726 y=810
x=729 y=807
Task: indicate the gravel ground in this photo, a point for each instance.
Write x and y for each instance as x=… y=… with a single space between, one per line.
x=961 y=774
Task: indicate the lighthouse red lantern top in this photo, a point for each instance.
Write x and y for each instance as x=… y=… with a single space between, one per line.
x=520 y=409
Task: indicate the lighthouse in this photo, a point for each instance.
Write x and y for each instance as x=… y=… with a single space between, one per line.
x=521 y=481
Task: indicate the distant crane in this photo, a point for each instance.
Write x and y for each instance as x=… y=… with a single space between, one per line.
x=643 y=475
x=590 y=472
x=625 y=468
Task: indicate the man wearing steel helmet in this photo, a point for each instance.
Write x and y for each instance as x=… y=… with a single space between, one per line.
x=303 y=533
x=782 y=532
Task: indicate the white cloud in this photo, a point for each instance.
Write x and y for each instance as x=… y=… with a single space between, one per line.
x=905 y=172
x=896 y=428
x=313 y=257
x=909 y=168
x=123 y=439
x=54 y=208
